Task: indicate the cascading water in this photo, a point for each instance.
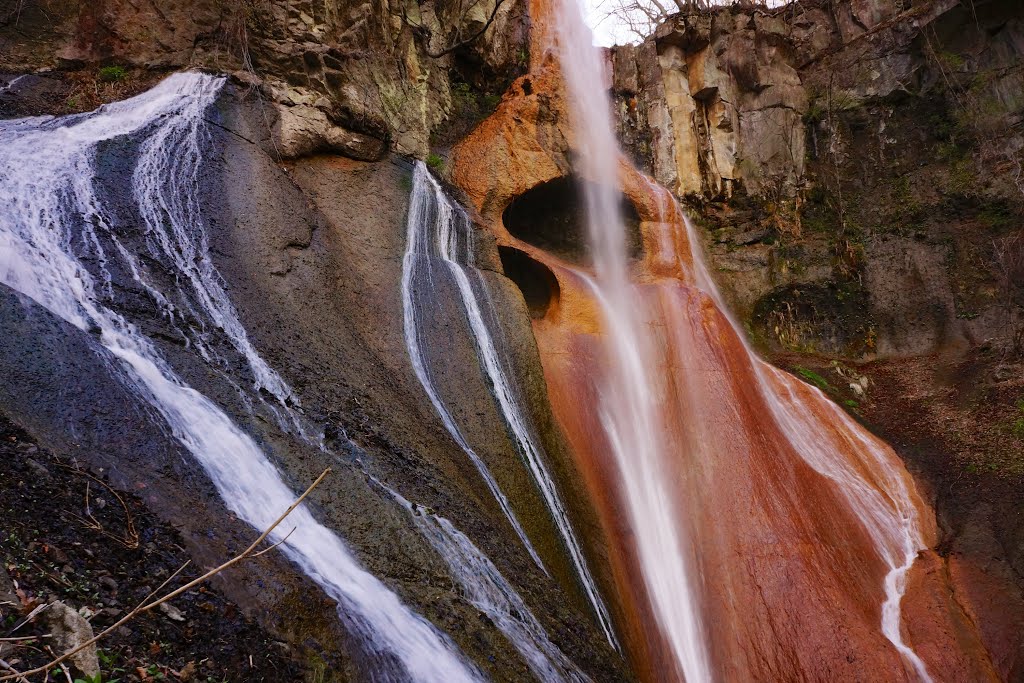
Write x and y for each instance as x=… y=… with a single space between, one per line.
x=60 y=242
x=629 y=397
x=439 y=234
x=433 y=238
x=484 y=586
x=885 y=506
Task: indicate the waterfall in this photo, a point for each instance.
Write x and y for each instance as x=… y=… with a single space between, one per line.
x=439 y=233
x=869 y=480
x=55 y=223
x=487 y=590
x=424 y=249
x=628 y=399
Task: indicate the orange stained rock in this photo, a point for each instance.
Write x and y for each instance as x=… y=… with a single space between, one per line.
x=791 y=578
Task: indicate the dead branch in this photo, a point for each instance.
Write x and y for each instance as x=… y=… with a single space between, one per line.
x=470 y=39
x=16 y=674
x=147 y=606
x=131 y=538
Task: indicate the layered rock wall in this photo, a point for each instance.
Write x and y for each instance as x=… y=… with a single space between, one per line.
x=839 y=153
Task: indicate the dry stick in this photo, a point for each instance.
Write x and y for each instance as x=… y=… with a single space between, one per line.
x=191 y=584
x=31 y=615
x=21 y=638
x=18 y=675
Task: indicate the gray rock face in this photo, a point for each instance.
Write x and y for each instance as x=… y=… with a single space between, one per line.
x=301 y=130
x=863 y=136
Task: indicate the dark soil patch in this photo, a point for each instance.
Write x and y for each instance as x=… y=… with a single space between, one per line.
x=71 y=92
x=68 y=537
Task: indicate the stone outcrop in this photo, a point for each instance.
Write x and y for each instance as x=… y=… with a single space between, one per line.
x=71 y=631
x=365 y=67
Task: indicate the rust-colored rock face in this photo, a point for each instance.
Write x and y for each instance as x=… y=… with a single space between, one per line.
x=797 y=516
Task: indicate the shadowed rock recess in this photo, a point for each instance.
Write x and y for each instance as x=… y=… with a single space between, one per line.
x=244 y=242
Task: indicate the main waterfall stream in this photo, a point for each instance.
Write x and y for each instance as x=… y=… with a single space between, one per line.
x=675 y=389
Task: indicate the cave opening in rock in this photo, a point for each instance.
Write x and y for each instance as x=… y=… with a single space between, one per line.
x=551 y=216
x=535 y=280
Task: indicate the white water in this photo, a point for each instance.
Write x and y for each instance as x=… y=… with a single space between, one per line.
x=10 y=84
x=432 y=238
x=53 y=222
x=629 y=410
x=441 y=238
x=487 y=590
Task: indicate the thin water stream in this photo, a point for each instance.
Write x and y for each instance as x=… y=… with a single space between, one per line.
x=440 y=236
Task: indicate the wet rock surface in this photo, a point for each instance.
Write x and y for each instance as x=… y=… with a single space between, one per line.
x=310 y=253
x=365 y=67
x=951 y=418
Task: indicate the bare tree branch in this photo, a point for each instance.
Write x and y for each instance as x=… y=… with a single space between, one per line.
x=470 y=39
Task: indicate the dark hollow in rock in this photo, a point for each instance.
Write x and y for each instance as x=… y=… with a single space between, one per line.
x=552 y=216
x=536 y=281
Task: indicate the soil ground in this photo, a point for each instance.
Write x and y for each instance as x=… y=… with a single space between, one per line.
x=66 y=536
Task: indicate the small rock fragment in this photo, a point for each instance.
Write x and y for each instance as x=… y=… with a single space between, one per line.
x=70 y=630
x=172 y=612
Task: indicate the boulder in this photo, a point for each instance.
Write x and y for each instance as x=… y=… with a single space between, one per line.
x=302 y=130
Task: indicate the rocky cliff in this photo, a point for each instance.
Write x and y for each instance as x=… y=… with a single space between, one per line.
x=856 y=165
x=354 y=78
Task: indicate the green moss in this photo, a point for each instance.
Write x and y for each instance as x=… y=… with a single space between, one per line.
x=1017 y=426
x=996 y=217
x=814 y=378
x=110 y=74
x=815 y=112
x=951 y=61
x=491 y=102
x=962 y=180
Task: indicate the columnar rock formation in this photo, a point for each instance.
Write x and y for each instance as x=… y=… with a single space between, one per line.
x=837 y=149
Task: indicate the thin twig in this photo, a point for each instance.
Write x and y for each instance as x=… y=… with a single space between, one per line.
x=18 y=675
x=175 y=593
x=267 y=550
x=21 y=638
x=131 y=538
x=31 y=615
x=467 y=41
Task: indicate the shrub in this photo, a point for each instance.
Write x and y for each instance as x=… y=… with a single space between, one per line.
x=435 y=161
x=110 y=74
